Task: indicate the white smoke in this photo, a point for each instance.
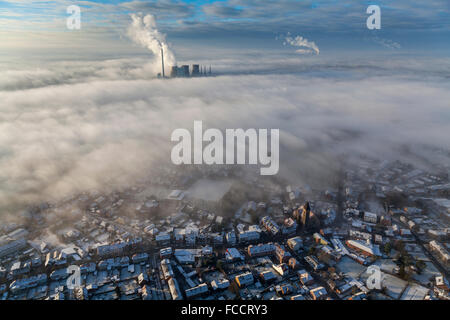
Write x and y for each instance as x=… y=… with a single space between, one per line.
x=387 y=43
x=305 y=46
x=143 y=31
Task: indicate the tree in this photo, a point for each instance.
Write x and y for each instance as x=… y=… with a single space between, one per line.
x=405 y=259
x=219 y=266
x=254 y=217
x=404 y=273
x=397 y=199
x=383 y=290
x=421 y=266
x=399 y=245
x=387 y=248
x=235 y=289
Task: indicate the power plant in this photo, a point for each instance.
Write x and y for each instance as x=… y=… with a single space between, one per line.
x=162 y=62
x=183 y=71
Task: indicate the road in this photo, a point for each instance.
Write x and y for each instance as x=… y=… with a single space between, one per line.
x=432 y=258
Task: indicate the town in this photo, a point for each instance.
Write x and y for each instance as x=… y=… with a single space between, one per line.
x=226 y=233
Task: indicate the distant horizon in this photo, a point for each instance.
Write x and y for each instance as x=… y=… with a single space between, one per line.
x=407 y=27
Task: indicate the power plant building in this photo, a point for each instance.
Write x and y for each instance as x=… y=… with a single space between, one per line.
x=185 y=72
x=195 y=70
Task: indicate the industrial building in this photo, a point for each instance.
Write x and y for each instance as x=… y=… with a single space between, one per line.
x=184 y=71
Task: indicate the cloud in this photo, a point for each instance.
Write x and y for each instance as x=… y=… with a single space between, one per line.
x=221 y=10
x=161 y=8
x=71 y=72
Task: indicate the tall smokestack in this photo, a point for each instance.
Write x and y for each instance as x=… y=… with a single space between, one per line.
x=162 y=62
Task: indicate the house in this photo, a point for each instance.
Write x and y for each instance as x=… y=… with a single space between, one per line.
x=244 y=279
x=261 y=250
x=305 y=278
x=314 y=263
x=370 y=217
x=320 y=239
x=165 y=253
x=281 y=253
x=270 y=225
x=295 y=243
x=233 y=254
x=364 y=248
x=318 y=293
x=220 y=284
x=282 y=268
x=284 y=289
x=267 y=276
x=174 y=289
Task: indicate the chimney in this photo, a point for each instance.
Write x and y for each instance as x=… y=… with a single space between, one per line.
x=162 y=62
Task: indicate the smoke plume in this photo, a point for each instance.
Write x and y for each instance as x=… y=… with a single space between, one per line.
x=143 y=32
x=305 y=46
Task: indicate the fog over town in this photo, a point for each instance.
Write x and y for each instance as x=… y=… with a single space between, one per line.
x=95 y=206
x=73 y=126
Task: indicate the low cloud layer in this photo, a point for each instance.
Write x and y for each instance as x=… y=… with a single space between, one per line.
x=111 y=124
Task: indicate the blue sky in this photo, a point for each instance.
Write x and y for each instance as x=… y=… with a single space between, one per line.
x=29 y=25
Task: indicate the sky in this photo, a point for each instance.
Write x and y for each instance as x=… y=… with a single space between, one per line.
x=83 y=109
x=39 y=27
